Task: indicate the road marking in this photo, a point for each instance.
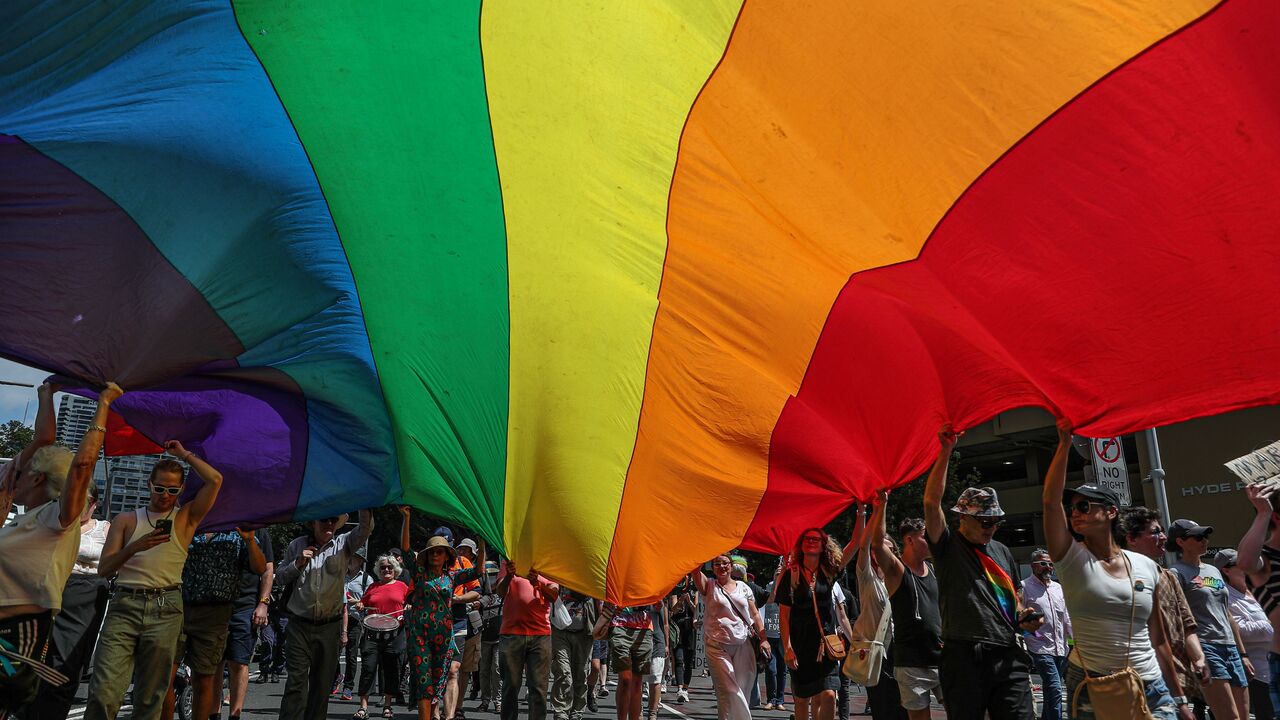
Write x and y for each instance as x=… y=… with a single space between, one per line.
x=673 y=710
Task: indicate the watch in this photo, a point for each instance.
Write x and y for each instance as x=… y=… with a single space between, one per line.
x=264 y=600
x=1180 y=700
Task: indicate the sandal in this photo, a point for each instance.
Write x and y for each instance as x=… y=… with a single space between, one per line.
x=387 y=712
x=360 y=714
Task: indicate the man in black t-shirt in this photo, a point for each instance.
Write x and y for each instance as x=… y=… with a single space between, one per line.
x=983 y=670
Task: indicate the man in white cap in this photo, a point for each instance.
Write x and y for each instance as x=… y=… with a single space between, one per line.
x=467 y=639
x=983 y=670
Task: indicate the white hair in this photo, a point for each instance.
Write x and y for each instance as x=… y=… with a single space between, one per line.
x=54 y=461
x=389 y=559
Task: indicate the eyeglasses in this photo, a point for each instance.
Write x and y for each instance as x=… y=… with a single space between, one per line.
x=1084 y=506
x=1043 y=563
x=812 y=538
x=166 y=489
x=1156 y=532
x=721 y=564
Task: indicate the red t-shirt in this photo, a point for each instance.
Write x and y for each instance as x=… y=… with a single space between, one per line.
x=525 y=611
x=386 y=598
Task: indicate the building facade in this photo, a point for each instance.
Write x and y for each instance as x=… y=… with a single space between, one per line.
x=1011 y=453
x=121 y=481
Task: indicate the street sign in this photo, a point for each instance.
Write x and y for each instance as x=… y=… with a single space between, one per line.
x=1109 y=467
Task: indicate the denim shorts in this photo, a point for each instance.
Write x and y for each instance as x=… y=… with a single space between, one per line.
x=1159 y=701
x=1225 y=664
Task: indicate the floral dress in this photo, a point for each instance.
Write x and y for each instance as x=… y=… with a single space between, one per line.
x=431 y=630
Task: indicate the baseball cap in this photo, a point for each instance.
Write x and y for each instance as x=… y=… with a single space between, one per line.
x=1184 y=528
x=1098 y=493
x=1225 y=558
x=445 y=533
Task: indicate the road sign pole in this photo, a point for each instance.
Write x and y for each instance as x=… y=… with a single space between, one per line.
x=1157 y=475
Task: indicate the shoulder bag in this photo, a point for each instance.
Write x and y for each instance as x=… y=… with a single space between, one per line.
x=832 y=646
x=866 y=656
x=762 y=656
x=1120 y=695
x=560 y=617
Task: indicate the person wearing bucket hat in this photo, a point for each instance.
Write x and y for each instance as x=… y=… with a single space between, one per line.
x=1226 y=692
x=1111 y=596
x=430 y=619
x=982 y=668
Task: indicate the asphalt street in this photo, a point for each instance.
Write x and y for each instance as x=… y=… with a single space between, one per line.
x=264 y=702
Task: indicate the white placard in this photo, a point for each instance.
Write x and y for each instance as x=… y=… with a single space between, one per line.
x=1259 y=466
x=1109 y=468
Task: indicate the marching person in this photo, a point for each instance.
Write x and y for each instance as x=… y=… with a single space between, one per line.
x=38 y=549
x=75 y=628
x=631 y=640
x=730 y=619
x=1256 y=631
x=775 y=671
x=491 y=627
x=1048 y=646
x=316 y=564
x=380 y=650
x=883 y=696
x=466 y=647
x=352 y=631
x=983 y=670
x=1141 y=532
x=684 y=610
x=1110 y=594
x=250 y=612
x=526 y=640
x=146 y=551
x=435 y=576
x=210 y=586
x=571 y=647
x=1259 y=559
x=1226 y=692
x=912 y=585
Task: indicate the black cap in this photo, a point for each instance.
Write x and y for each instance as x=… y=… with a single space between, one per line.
x=1098 y=493
x=1184 y=528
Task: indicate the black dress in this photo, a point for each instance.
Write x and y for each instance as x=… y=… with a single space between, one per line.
x=812 y=676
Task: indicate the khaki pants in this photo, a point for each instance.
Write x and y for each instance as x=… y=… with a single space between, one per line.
x=571 y=660
x=138 y=641
x=525 y=659
x=311 y=656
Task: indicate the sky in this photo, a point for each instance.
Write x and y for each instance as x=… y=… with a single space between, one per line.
x=14 y=400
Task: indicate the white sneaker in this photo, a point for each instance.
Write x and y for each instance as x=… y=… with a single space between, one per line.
x=682 y=696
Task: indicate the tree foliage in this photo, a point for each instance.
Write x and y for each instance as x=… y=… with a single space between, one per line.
x=14 y=436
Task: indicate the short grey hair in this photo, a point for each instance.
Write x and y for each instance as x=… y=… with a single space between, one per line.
x=54 y=461
x=1040 y=552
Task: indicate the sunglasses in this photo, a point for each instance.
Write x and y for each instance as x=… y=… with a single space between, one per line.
x=987 y=524
x=166 y=489
x=1156 y=532
x=329 y=520
x=1084 y=506
x=1043 y=563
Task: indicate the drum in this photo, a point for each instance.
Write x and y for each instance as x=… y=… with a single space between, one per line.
x=381 y=627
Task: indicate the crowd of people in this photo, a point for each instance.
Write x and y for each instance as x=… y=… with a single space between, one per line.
x=935 y=612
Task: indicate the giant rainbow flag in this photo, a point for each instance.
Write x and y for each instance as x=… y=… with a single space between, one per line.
x=623 y=284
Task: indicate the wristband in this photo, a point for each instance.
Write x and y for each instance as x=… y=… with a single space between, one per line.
x=1180 y=700
x=99 y=428
x=264 y=600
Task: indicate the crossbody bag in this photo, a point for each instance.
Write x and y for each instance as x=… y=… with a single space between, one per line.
x=1122 y=694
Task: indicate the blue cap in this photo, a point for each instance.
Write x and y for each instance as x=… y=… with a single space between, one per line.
x=445 y=532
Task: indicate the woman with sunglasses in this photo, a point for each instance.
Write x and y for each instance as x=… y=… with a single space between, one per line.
x=807 y=611
x=1109 y=591
x=1227 y=690
x=380 y=650
x=1142 y=532
x=430 y=619
x=730 y=618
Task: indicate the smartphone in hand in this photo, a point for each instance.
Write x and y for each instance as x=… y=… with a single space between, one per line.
x=164 y=526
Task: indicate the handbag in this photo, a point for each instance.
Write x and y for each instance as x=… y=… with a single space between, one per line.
x=867 y=656
x=832 y=646
x=560 y=617
x=762 y=656
x=1120 y=695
